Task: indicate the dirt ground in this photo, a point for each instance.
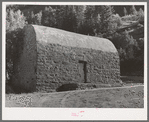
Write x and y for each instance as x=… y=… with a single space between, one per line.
x=131 y=97
x=121 y=97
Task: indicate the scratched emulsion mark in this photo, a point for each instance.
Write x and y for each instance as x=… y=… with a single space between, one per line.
x=79 y=114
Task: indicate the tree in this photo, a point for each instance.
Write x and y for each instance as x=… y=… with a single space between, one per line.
x=105 y=20
x=38 y=18
x=98 y=21
x=67 y=18
x=141 y=15
x=14 y=20
x=116 y=21
x=133 y=10
x=130 y=52
x=127 y=43
x=48 y=17
x=80 y=10
x=32 y=18
x=125 y=12
x=89 y=20
x=141 y=11
x=131 y=48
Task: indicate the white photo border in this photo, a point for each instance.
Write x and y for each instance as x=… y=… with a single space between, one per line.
x=66 y=113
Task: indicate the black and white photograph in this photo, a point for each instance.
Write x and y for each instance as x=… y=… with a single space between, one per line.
x=85 y=56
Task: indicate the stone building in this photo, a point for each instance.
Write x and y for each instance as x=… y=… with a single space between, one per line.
x=49 y=58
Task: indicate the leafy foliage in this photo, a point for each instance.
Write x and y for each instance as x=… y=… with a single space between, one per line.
x=127 y=43
x=14 y=20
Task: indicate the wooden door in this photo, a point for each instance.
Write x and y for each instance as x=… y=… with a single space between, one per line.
x=82 y=71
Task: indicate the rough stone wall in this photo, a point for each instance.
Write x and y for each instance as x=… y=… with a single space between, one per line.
x=57 y=65
x=48 y=60
x=24 y=79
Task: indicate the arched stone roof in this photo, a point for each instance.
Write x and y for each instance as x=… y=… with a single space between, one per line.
x=65 y=38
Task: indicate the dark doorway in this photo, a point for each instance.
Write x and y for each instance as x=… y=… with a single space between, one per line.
x=83 y=71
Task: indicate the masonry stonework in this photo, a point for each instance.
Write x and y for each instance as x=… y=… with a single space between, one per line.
x=52 y=57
